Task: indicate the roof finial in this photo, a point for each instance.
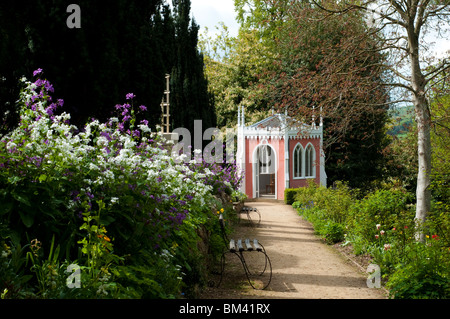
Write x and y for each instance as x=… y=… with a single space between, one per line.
x=321 y=117
x=313 y=118
x=239 y=116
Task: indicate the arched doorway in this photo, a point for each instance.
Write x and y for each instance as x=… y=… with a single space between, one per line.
x=264 y=172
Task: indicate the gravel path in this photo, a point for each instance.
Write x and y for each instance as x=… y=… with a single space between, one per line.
x=303 y=265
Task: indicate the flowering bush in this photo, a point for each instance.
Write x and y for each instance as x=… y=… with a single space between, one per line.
x=382 y=225
x=110 y=193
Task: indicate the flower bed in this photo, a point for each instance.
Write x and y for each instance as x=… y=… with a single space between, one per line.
x=382 y=226
x=107 y=198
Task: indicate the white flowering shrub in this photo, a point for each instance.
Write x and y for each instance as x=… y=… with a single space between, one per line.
x=111 y=188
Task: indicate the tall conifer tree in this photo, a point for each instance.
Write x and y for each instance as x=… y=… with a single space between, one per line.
x=191 y=99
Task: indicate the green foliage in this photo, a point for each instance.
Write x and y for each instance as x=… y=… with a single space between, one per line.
x=386 y=208
x=99 y=199
x=334 y=201
x=14 y=279
x=424 y=273
x=131 y=50
x=232 y=67
x=289 y=195
x=189 y=98
x=402 y=118
x=325 y=209
x=382 y=225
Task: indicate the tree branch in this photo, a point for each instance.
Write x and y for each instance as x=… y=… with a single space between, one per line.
x=438 y=72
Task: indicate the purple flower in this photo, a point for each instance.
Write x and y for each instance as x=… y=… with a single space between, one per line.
x=39 y=82
x=49 y=111
x=145 y=122
x=130 y=96
x=48 y=86
x=143 y=108
x=106 y=135
x=38 y=71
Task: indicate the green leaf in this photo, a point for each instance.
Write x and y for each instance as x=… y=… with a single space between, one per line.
x=6 y=207
x=27 y=219
x=22 y=199
x=13 y=179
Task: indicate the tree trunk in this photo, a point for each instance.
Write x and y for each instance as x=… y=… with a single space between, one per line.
x=423 y=120
x=423 y=193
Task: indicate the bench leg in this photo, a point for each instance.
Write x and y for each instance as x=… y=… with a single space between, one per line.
x=267 y=266
x=266 y=263
x=249 y=218
x=222 y=264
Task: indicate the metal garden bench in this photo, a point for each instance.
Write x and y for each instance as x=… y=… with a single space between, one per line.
x=249 y=211
x=241 y=247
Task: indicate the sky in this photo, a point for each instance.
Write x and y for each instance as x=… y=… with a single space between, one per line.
x=208 y=13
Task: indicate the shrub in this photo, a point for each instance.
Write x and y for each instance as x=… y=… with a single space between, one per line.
x=109 y=194
x=386 y=208
x=333 y=232
x=424 y=273
x=382 y=224
x=334 y=201
x=289 y=195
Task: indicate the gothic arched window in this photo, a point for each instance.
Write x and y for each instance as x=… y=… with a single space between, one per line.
x=298 y=160
x=310 y=169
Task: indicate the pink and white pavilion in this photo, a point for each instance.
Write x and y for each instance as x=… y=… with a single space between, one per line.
x=277 y=153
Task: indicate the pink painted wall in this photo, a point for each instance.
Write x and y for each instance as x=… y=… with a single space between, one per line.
x=278 y=146
x=249 y=147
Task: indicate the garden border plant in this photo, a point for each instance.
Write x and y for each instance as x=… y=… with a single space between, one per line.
x=108 y=197
x=382 y=225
